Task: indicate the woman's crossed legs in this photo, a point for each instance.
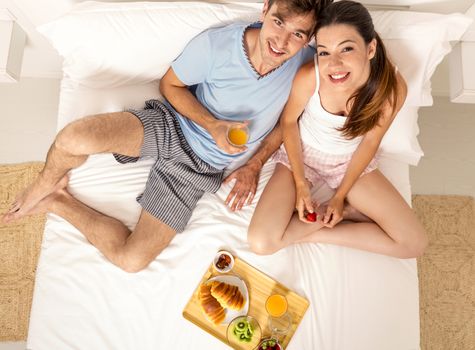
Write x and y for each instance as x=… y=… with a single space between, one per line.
x=395 y=229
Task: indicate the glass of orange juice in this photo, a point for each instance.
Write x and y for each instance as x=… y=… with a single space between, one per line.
x=238 y=134
x=280 y=320
x=276 y=305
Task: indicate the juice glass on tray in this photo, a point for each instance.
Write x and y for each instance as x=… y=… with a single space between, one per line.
x=276 y=305
x=279 y=321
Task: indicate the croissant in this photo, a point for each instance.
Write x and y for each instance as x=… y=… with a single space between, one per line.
x=211 y=307
x=227 y=295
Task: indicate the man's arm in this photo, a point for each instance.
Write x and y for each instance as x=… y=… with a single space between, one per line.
x=185 y=103
x=247 y=176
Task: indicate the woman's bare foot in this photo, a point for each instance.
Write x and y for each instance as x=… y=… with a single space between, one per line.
x=349 y=213
x=31 y=196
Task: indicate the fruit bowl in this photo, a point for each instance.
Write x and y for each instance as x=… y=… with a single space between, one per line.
x=244 y=332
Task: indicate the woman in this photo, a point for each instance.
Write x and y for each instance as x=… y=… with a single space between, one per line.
x=347 y=99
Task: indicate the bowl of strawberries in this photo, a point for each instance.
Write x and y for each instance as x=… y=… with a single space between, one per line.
x=269 y=344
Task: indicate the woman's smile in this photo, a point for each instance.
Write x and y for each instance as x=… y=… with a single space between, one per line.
x=339 y=78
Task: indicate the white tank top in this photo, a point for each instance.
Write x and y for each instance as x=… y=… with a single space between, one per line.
x=319 y=128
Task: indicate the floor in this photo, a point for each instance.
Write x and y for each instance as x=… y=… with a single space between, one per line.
x=447 y=137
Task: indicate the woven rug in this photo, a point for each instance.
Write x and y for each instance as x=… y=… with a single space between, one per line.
x=447 y=272
x=19 y=248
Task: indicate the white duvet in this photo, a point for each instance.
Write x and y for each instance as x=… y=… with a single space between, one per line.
x=358 y=300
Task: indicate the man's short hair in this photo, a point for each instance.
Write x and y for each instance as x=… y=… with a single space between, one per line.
x=296 y=7
x=301 y=7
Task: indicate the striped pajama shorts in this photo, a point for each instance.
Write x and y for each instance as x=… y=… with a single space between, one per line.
x=319 y=165
x=179 y=178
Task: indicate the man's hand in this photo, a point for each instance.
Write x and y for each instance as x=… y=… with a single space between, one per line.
x=245 y=187
x=219 y=130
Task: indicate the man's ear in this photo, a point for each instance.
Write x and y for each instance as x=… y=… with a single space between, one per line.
x=372 y=48
x=265 y=8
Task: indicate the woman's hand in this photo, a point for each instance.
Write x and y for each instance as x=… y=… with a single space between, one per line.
x=219 y=130
x=334 y=213
x=303 y=201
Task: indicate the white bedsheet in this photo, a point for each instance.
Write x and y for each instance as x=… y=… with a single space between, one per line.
x=358 y=300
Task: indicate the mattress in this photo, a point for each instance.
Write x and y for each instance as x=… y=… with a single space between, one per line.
x=358 y=300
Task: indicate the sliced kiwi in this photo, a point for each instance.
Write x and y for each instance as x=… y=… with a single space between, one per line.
x=243 y=331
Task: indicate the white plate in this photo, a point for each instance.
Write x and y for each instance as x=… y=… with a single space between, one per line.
x=235 y=281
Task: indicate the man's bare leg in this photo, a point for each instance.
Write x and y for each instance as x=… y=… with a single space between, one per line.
x=118 y=132
x=131 y=251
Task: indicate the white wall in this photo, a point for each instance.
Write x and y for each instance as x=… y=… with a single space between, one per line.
x=28 y=112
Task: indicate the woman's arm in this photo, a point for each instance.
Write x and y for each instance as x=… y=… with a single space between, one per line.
x=363 y=155
x=303 y=88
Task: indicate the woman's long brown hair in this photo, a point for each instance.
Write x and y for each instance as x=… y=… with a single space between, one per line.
x=381 y=87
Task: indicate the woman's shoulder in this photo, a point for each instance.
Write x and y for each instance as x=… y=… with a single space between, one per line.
x=306 y=76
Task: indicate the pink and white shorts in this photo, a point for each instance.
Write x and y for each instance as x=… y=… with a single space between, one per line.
x=318 y=165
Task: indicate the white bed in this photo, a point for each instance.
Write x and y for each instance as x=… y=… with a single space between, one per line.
x=358 y=300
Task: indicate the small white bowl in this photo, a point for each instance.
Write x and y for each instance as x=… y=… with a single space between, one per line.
x=223 y=261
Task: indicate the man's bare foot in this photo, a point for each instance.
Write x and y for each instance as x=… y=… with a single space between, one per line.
x=31 y=196
x=46 y=204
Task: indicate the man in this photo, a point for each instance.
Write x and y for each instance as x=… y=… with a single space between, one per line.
x=225 y=75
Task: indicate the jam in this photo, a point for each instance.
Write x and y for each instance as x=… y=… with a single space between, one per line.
x=223 y=261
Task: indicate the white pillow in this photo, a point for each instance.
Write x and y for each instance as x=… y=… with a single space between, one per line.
x=400 y=141
x=109 y=45
x=417 y=42
x=113 y=44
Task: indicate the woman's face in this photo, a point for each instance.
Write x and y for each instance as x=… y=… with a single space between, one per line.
x=343 y=57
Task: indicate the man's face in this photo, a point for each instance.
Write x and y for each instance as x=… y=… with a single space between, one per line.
x=283 y=34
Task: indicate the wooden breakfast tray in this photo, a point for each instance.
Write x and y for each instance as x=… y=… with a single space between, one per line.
x=260 y=287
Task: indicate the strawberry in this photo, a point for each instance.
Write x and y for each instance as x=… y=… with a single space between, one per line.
x=312 y=217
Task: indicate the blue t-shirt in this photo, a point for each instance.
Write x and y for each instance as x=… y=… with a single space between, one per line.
x=215 y=65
